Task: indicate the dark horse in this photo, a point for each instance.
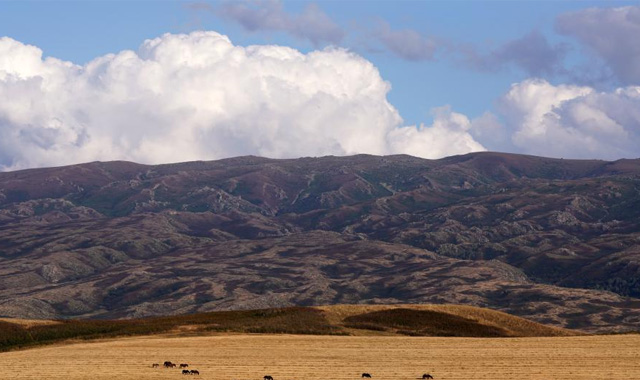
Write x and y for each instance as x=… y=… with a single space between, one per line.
x=426 y=376
x=186 y=372
x=184 y=365
x=155 y=365
x=168 y=364
x=195 y=372
x=367 y=375
x=267 y=377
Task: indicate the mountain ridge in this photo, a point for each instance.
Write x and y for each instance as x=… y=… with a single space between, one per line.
x=557 y=240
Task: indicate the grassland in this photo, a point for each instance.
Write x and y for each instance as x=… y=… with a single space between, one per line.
x=295 y=357
x=294 y=320
x=485 y=322
x=412 y=320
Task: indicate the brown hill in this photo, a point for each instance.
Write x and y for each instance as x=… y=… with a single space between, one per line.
x=557 y=241
x=450 y=320
x=412 y=320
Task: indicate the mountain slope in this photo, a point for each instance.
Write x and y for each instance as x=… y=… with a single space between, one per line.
x=554 y=240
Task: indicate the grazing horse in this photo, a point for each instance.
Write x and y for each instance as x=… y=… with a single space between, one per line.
x=168 y=364
x=367 y=375
x=155 y=365
x=195 y=372
x=267 y=377
x=185 y=372
x=184 y=365
x=426 y=376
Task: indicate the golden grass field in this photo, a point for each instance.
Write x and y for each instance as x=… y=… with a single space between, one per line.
x=298 y=357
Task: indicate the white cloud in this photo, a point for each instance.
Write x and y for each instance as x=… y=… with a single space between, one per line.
x=573 y=121
x=197 y=97
x=448 y=135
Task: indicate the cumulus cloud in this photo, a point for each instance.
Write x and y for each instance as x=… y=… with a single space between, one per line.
x=448 y=135
x=406 y=43
x=573 y=121
x=269 y=15
x=532 y=53
x=198 y=96
x=612 y=33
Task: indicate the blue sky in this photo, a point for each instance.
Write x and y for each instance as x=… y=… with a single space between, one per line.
x=466 y=56
x=80 y=31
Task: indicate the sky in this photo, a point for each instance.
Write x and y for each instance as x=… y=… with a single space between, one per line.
x=168 y=81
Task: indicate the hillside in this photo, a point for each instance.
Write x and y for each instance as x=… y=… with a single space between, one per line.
x=556 y=241
x=387 y=320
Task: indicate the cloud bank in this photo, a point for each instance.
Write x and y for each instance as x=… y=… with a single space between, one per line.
x=198 y=96
x=572 y=121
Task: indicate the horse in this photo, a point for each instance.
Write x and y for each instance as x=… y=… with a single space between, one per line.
x=426 y=376
x=195 y=372
x=185 y=372
x=367 y=375
x=168 y=364
x=155 y=365
x=267 y=377
x=184 y=365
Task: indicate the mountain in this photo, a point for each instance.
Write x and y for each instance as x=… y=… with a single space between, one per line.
x=556 y=241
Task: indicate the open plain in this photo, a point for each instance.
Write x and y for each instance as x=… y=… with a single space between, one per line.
x=297 y=357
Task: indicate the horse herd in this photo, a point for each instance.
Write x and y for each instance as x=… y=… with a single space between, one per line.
x=365 y=375
x=185 y=371
x=183 y=366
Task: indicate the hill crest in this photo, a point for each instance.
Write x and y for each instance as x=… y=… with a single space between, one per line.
x=358 y=320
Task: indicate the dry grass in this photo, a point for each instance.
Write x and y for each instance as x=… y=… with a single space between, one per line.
x=419 y=320
x=291 y=320
x=515 y=326
x=28 y=323
x=292 y=357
